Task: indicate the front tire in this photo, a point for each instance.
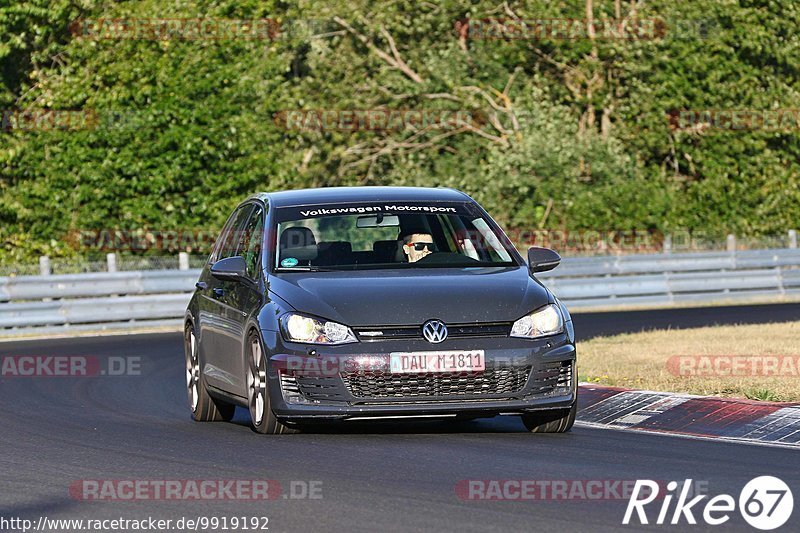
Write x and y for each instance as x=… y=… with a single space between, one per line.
x=262 y=419
x=555 y=421
x=204 y=407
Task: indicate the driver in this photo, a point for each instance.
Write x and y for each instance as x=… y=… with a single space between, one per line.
x=418 y=245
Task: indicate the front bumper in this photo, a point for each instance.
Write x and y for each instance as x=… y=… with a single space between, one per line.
x=318 y=382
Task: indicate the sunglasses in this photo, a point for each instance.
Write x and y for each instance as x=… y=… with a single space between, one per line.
x=419 y=246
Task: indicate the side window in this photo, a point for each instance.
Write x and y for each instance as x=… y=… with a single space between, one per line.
x=250 y=243
x=215 y=251
x=490 y=242
x=230 y=240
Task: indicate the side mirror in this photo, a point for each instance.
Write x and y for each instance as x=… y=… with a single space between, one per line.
x=230 y=269
x=542 y=259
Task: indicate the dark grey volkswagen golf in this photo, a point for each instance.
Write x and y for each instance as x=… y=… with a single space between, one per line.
x=375 y=303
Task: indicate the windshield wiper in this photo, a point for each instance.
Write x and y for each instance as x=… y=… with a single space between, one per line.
x=307 y=269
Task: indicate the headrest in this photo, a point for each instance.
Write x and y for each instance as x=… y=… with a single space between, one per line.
x=336 y=247
x=385 y=248
x=399 y=254
x=297 y=237
x=299 y=243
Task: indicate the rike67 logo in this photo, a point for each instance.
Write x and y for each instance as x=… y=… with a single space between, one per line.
x=765 y=503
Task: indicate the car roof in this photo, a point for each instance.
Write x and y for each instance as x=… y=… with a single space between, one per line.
x=338 y=195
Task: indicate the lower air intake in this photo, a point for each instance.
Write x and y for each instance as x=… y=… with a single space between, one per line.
x=436 y=384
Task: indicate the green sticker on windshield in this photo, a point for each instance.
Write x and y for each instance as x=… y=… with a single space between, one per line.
x=289 y=262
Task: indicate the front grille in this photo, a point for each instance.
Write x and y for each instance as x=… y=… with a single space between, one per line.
x=454 y=331
x=552 y=378
x=436 y=384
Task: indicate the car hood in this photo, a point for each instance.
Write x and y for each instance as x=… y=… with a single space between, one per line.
x=392 y=297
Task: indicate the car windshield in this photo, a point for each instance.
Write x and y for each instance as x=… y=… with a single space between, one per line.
x=374 y=236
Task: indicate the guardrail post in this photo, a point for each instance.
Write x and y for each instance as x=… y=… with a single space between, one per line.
x=111 y=260
x=792 y=238
x=731 y=242
x=44 y=266
x=667 y=244
x=183 y=261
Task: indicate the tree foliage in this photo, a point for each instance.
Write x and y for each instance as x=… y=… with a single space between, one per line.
x=566 y=133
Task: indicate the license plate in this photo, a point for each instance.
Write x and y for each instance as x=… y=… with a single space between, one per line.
x=456 y=361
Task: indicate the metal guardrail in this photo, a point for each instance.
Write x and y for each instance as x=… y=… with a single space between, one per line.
x=93 y=310
x=97 y=284
x=673 y=278
x=121 y=299
x=130 y=299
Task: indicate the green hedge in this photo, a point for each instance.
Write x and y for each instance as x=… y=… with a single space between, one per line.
x=186 y=128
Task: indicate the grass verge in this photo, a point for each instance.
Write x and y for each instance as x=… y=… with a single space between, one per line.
x=759 y=362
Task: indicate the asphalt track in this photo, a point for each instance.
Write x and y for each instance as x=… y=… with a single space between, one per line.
x=375 y=477
x=588 y=325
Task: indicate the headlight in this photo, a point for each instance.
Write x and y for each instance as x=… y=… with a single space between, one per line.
x=540 y=323
x=301 y=328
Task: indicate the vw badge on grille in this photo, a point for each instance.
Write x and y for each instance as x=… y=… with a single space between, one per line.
x=434 y=331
